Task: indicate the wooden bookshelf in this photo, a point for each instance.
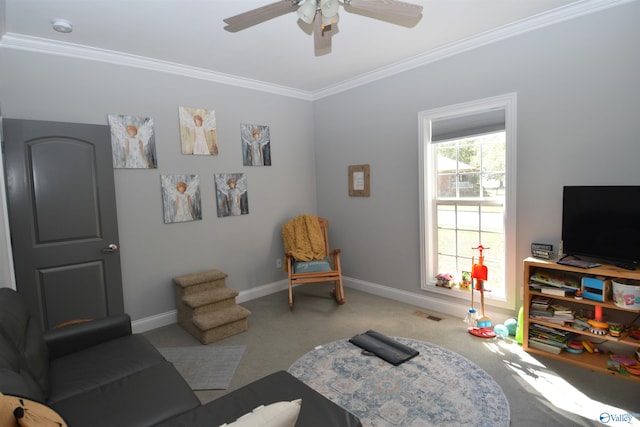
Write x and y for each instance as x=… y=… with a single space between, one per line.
x=625 y=344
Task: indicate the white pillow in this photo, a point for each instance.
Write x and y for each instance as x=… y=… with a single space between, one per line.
x=279 y=414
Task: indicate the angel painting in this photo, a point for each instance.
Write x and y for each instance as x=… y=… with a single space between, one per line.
x=198 y=131
x=133 y=142
x=181 y=198
x=256 y=147
x=231 y=194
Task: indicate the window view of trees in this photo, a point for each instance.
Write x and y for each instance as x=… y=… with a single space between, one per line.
x=470 y=204
x=472 y=167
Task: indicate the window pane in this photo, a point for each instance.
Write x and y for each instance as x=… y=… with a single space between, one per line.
x=446 y=216
x=469 y=185
x=493 y=184
x=448 y=264
x=495 y=276
x=466 y=241
x=447 y=167
x=495 y=241
x=470 y=180
x=447 y=186
x=447 y=241
x=468 y=218
x=493 y=149
x=492 y=218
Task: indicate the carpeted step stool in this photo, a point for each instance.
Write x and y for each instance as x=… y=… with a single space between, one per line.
x=207 y=308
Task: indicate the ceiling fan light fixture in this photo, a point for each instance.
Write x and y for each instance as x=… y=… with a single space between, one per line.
x=326 y=21
x=329 y=8
x=307 y=11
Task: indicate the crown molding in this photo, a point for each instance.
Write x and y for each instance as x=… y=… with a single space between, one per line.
x=561 y=14
x=71 y=50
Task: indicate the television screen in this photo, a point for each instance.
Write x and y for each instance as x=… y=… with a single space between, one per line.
x=602 y=222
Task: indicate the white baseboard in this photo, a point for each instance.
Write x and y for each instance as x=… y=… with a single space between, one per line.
x=262 y=291
x=450 y=308
x=154 y=322
x=171 y=317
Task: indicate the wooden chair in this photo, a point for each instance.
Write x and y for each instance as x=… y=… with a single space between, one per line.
x=330 y=270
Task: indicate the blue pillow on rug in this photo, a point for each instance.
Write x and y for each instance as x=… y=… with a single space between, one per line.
x=312 y=266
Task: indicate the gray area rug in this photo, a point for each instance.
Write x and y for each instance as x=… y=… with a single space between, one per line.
x=206 y=367
x=436 y=388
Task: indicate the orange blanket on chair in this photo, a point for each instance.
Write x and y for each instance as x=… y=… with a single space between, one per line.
x=303 y=238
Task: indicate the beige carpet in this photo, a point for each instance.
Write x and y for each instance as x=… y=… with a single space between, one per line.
x=540 y=391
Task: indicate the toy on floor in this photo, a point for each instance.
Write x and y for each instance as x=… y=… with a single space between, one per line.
x=471 y=319
x=501 y=330
x=479 y=273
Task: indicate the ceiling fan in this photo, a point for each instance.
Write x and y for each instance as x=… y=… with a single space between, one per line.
x=322 y=16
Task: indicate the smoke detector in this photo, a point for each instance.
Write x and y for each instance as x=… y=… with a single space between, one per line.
x=62 y=25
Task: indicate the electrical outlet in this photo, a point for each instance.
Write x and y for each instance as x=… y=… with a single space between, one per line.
x=278 y=263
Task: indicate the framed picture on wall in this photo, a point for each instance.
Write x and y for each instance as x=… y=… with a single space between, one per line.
x=181 y=198
x=133 y=144
x=231 y=194
x=198 y=132
x=359 y=181
x=256 y=145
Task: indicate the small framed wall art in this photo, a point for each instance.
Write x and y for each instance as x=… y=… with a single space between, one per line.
x=359 y=181
x=231 y=194
x=256 y=145
x=133 y=142
x=181 y=198
x=198 y=131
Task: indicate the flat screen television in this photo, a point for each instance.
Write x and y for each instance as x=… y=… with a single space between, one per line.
x=602 y=222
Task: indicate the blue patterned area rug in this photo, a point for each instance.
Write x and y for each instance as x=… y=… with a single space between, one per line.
x=436 y=388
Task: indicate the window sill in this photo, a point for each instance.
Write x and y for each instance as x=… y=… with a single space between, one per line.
x=490 y=299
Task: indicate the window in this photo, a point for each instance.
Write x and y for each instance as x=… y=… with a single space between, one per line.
x=467 y=188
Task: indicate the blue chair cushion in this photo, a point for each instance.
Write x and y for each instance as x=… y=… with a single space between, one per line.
x=312 y=266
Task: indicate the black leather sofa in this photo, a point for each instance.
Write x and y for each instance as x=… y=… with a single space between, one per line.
x=99 y=374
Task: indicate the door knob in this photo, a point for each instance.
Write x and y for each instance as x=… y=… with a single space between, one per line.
x=111 y=248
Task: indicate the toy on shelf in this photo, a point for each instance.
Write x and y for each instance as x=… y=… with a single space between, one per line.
x=465 y=281
x=479 y=274
x=598 y=325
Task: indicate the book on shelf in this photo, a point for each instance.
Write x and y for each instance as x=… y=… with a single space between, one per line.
x=549 y=335
x=567 y=282
x=581 y=323
x=546 y=309
x=550 y=290
x=546 y=347
x=540 y=302
x=561 y=309
x=549 y=330
x=538 y=312
x=548 y=341
x=556 y=320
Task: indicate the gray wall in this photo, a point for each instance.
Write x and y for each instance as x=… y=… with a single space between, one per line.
x=43 y=87
x=578 y=123
x=578 y=109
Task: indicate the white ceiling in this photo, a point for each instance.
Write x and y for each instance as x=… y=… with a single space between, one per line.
x=188 y=36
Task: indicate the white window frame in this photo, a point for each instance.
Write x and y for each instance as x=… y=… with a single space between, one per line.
x=427 y=195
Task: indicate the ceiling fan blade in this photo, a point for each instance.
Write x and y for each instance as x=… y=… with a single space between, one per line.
x=261 y=14
x=394 y=11
x=321 y=36
x=393 y=7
